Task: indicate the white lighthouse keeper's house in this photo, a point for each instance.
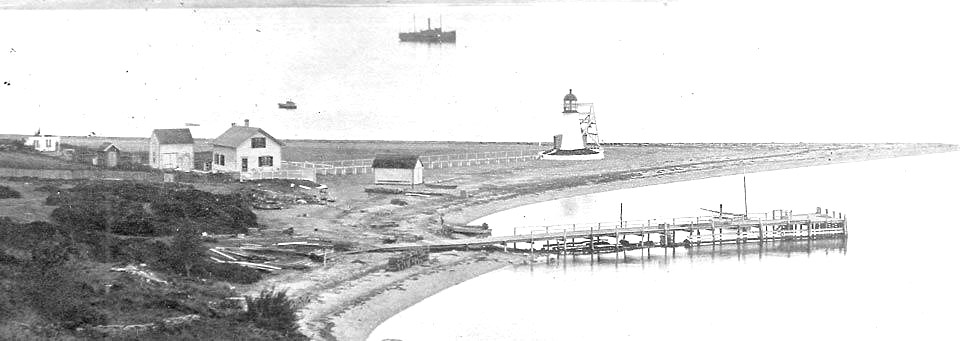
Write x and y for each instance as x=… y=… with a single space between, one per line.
x=578 y=138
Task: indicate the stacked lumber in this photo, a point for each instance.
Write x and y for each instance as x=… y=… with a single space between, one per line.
x=233 y=257
x=383 y=190
x=407 y=259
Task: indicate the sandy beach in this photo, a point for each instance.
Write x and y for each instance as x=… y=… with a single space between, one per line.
x=349 y=298
x=358 y=320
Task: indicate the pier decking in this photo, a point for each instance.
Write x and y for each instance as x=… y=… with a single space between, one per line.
x=779 y=224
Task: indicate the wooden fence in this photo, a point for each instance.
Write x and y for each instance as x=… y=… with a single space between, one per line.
x=363 y=166
x=302 y=174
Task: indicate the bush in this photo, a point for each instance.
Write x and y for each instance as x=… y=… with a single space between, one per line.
x=16 y=145
x=7 y=192
x=139 y=209
x=216 y=329
x=272 y=310
x=48 y=188
x=228 y=272
x=185 y=251
x=135 y=167
x=30 y=236
x=49 y=285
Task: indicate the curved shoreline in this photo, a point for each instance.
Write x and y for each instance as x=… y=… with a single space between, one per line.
x=470 y=214
x=357 y=322
x=358 y=319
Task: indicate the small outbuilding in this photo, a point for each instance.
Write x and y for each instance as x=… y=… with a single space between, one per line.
x=397 y=170
x=107 y=155
x=171 y=149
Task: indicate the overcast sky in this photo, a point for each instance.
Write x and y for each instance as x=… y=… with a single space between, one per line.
x=715 y=71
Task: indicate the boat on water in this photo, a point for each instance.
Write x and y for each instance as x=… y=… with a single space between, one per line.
x=288 y=105
x=429 y=35
x=482 y=230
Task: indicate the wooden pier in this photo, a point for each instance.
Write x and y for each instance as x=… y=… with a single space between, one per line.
x=702 y=230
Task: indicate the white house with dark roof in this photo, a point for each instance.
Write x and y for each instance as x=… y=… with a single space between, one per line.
x=397 y=170
x=246 y=149
x=171 y=149
x=44 y=143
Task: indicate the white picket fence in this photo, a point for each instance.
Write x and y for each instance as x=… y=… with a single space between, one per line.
x=363 y=166
x=295 y=173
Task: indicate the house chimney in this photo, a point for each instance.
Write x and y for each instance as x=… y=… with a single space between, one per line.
x=233 y=124
x=246 y=123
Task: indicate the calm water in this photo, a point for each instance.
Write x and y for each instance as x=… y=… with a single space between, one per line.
x=687 y=70
x=894 y=277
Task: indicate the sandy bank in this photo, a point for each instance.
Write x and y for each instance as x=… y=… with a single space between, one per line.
x=347 y=300
x=358 y=321
x=690 y=172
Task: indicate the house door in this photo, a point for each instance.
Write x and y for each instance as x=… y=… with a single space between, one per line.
x=243 y=164
x=111 y=159
x=168 y=160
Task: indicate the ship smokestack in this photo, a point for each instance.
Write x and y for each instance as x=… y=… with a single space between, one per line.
x=428 y=23
x=246 y=123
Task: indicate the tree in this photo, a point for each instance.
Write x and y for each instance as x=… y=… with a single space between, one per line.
x=185 y=250
x=272 y=310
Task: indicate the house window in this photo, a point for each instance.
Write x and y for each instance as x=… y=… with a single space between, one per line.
x=258 y=142
x=218 y=159
x=36 y=143
x=265 y=161
x=223 y=160
x=48 y=143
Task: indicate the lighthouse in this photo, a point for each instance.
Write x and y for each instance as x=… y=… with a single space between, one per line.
x=578 y=138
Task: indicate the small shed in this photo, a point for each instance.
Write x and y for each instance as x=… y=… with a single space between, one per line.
x=171 y=149
x=397 y=170
x=107 y=155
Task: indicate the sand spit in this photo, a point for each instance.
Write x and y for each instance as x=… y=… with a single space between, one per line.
x=348 y=299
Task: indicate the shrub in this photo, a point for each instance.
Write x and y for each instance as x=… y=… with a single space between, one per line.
x=49 y=285
x=185 y=256
x=16 y=145
x=216 y=329
x=82 y=216
x=7 y=192
x=185 y=251
x=228 y=272
x=48 y=188
x=271 y=310
x=136 y=167
x=139 y=209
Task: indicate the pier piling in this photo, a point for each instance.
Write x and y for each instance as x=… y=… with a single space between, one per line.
x=782 y=225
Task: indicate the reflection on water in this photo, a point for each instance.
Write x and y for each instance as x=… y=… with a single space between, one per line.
x=663 y=257
x=893 y=277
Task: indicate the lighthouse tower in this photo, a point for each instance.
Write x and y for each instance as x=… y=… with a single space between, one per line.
x=578 y=138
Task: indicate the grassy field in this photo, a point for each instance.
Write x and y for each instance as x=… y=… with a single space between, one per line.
x=315 y=150
x=37 y=161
